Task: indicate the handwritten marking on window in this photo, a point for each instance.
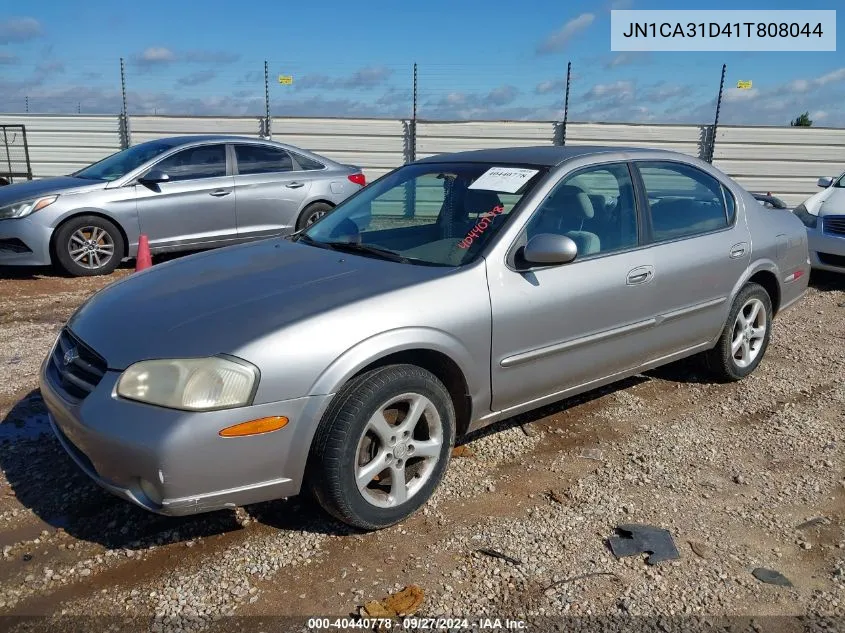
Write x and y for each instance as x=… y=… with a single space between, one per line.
x=478 y=229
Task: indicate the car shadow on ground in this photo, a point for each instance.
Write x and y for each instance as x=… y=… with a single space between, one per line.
x=26 y=273
x=826 y=281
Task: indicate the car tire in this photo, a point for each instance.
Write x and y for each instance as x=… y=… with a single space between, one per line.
x=101 y=237
x=312 y=213
x=745 y=337
x=354 y=444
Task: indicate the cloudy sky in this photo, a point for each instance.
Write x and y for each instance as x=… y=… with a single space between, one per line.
x=476 y=59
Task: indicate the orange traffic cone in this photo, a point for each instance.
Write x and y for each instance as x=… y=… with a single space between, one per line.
x=143 y=260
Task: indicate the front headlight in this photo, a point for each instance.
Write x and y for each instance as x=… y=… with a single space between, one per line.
x=190 y=384
x=805 y=216
x=23 y=209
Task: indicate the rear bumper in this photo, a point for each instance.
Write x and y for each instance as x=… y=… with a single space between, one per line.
x=174 y=462
x=24 y=243
x=827 y=252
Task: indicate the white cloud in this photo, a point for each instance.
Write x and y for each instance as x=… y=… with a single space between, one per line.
x=805 y=85
x=558 y=40
x=19 y=30
x=616 y=90
x=155 y=56
x=367 y=77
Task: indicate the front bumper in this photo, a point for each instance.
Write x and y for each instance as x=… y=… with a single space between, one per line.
x=827 y=251
x=24 y=243
x=174 y=462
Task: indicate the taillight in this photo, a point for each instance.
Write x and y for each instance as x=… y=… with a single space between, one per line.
x=358 y=179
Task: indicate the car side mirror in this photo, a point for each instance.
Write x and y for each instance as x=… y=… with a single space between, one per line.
x=825 y=182
x=154 y=177
x=550 y=249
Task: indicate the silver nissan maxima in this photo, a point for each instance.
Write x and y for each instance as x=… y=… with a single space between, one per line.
x=451 y=293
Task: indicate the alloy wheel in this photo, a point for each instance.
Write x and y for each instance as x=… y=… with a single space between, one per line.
x=91 y=247
x=749 y=333
x=398 y=450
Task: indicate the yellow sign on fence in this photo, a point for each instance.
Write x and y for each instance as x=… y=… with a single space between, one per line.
x=286 y=80
x=743 y=85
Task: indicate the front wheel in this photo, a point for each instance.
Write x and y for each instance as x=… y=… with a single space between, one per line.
x=382 y=447
x=745 y=337
x=88 y=245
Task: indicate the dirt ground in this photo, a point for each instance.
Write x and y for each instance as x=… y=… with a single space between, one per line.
x=744 y=476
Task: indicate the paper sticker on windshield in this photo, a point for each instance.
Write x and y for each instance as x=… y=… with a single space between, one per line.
x=506 y=179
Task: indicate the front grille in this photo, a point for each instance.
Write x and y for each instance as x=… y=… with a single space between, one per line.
x=834 y=224
x=77 y=367
x=832 y=260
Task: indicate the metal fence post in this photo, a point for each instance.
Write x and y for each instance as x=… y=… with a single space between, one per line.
x=413 y=144
x=411 y=154
x=267 y=132
x=566 y=103
x=716 y=121
x=125 y=138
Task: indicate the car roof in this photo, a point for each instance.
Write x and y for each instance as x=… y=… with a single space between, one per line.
x=190 y=139
x=545 y=155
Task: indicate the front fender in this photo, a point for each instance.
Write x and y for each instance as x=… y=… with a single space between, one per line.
x=403 y=339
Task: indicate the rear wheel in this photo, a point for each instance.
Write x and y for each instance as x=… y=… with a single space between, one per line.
x=746 y=335
x=312 y=213
x=88 y=245
x=382 y=447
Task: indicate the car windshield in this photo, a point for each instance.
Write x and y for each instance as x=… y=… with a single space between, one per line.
x=118 y=165
x=439 y=214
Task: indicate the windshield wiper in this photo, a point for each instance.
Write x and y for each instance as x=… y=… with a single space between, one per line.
x=383 y=253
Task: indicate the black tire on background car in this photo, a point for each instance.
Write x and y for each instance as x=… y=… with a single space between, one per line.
x=88 y=245
x=382 y=446
x=312 y=213
x=745 y=337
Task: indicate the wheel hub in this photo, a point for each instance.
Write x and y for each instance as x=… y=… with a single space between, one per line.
x=400 y=451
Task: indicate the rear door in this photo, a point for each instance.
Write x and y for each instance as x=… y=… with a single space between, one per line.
x=700 y=251
x=196 y=207
x=270 y=190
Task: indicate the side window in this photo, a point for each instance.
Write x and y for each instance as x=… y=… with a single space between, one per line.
x=206 y=161
x=595 y=207
x=684 y=201
x=307 y=164
x=262 y=159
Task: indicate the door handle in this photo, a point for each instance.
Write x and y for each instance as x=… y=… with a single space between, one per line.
x=294 y=185
x=640 y=275
x=738 y=250
x=219 y=193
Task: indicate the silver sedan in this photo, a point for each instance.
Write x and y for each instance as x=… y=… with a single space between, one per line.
x=184 y=193
x=451 y=293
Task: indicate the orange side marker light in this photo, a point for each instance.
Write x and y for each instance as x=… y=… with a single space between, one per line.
x=255 y=427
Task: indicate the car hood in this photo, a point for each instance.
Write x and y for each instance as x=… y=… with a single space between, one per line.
x=221 y=300
x=46 y=186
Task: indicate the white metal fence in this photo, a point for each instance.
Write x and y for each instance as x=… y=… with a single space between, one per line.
x=785 y=161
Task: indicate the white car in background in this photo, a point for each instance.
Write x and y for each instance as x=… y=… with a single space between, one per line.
x=824 y=216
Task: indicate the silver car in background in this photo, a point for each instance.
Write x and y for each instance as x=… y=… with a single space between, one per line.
x=451 y=293
x=184 y=193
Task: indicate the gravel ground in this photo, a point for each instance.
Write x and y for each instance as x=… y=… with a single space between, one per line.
x=743 y=476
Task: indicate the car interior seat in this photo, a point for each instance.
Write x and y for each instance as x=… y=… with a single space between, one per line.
x=565 y=212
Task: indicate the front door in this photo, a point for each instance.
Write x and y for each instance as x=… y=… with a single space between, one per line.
x=195 y=207
x=558 y=327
